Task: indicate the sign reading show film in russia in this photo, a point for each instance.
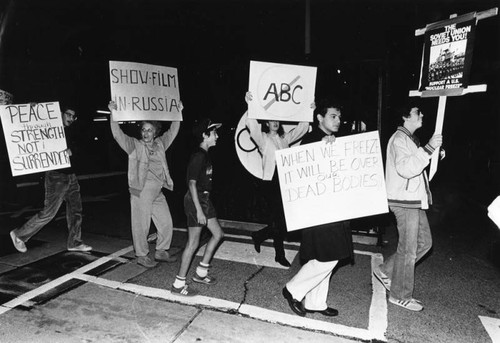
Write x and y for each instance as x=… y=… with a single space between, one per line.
x=281 y=91
x=35 y=138
x=324 y=183
x=144 y=92
x=447 y=55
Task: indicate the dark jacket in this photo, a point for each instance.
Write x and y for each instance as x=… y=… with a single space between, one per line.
x=327 y=242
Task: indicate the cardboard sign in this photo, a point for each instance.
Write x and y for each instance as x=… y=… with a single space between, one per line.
x=324 y=183
x=281 y=91
x=35 y=137
x=144 y=92
x=447 y=55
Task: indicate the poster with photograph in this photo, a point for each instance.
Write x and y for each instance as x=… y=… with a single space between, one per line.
x=447 y=55
x=144 y=92
x=35 y=137
x=323 y=183
x=282 y=92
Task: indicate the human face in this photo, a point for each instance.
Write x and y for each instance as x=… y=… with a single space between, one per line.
x=69 y=117
x=273 y=126
x=330 y=122
x=415 y=120
x=147 y=132
x=211 y=139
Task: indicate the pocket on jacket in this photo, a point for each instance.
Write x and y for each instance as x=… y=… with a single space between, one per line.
x=413 y=184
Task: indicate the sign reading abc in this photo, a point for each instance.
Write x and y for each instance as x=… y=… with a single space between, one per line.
x=281 y=91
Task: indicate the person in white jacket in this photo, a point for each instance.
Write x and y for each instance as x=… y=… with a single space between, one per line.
x=408 y=196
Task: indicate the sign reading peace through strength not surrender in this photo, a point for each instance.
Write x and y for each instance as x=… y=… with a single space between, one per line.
x=35 y=138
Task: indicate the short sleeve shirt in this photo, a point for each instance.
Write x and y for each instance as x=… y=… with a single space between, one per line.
x=200 y=170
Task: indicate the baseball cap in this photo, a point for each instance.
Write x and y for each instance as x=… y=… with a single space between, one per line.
x=204 y=125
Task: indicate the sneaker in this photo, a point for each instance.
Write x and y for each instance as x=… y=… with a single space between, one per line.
x=164 y=256
x=18 y=244
x=207 y=280
x=412 y=305
x=184 y=291
x=384 y=279
x=146 y=261
x=81 y=247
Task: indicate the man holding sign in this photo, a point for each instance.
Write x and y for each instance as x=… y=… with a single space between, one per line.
x=409 y=196
x=60 y=185
x=322 y=246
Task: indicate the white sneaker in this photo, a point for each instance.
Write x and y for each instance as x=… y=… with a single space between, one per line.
x=82 y=247
x=384 y=279
x=412 y=305
x=18 y=244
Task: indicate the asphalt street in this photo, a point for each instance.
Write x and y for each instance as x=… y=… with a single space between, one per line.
x=51 y=295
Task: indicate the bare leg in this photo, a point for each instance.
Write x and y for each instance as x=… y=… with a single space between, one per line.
x=217 y=235
x=191 y=246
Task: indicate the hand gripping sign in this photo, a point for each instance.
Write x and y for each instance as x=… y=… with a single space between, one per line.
x=281 y=91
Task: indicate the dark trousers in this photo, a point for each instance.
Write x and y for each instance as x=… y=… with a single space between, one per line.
x=59 y=187
x=275 y=217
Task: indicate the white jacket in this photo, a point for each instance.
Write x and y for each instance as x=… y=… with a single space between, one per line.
x=406 y=180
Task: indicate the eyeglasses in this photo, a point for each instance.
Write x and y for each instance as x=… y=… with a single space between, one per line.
x=71 y=116
x=147 y=130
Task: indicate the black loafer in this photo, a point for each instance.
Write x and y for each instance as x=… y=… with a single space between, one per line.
x=329 y=312
x=295 y=305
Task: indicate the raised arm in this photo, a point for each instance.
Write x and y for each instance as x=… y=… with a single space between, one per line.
x=125 y=142
x=297 y=132
x=254 y=127
x=168 y=136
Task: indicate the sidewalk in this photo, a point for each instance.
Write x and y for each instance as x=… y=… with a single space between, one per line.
x=110 y=309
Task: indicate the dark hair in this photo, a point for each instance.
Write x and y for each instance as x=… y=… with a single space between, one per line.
x=64 y=107
x=264 y=128
x=156 y=124
x=403 y=110
x=323 y=105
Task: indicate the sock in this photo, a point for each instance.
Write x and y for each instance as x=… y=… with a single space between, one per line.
x=179 y=282
x=202 y=270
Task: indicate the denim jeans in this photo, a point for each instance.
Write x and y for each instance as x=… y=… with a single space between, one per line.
x=150 y=204
x=59 y=187
x=415 y=241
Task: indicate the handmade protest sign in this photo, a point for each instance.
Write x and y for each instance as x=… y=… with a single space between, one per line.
x=144 y=92
x=323 y=183
x=35 y=138
x=447 y=55
x=281 y=92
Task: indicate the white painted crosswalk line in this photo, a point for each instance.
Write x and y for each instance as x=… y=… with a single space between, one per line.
x=245 y=253
x=492 y=326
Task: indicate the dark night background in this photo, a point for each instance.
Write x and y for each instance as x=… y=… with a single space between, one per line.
x=56 y=50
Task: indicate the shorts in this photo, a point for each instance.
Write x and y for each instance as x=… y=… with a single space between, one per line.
x=190 y=210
